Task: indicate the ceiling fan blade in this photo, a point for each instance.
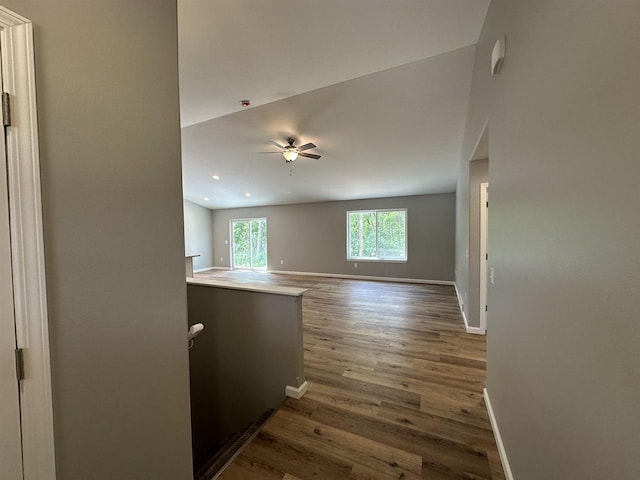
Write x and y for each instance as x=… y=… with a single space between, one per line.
x=306 y=146
x=276 y=144
x=309 y=155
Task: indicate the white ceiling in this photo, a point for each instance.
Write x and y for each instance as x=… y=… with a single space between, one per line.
x=394 y=132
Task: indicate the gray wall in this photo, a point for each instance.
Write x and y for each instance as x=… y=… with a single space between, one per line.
x=311 y=237
x=478 y=173
x=250 y=350
x=198 y=234
x=107 y=86
x=563 y=339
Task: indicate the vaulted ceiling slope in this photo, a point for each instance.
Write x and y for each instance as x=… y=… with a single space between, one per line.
x=392 y=133
x=267 y=50
x=380 y=86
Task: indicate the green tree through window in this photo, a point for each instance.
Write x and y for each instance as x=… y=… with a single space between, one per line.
x=249 y=243
x=377 y=235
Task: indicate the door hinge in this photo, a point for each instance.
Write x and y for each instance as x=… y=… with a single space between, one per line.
x=19 y=363
x=487 y=204
x=6 y=109
x=486 y=256
x=486 y=308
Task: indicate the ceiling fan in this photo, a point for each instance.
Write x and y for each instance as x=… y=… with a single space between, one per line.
x=290 y=152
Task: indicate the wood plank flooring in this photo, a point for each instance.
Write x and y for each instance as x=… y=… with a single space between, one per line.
x=395 y=388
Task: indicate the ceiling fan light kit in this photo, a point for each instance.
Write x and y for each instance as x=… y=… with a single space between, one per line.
x=290 y=152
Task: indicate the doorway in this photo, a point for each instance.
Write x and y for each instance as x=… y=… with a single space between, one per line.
x=476 y=311
x=249 y=244
x=484 y=255
x=26 y=413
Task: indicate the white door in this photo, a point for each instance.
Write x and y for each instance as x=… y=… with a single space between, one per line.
x=484 y=256
x=10 y=439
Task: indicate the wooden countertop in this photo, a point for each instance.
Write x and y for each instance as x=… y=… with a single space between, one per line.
x=249 y=287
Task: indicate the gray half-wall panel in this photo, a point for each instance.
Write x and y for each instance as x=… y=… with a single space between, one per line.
x=311 y=237
x=250 y=349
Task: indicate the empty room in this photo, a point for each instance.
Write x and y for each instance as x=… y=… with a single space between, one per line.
x=304 y=239
x=334 y=174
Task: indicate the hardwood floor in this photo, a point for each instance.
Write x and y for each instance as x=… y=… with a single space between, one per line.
x=395 y=388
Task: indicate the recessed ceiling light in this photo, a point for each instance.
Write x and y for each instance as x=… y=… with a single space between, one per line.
x=247 y=194
x=206 y=199
x=216 y=177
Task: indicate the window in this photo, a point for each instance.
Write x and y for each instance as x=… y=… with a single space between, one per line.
x=249 y=243
x=377 y=235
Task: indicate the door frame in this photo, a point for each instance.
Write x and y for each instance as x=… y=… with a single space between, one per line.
x=10 y=426
x=27 y=256
x=231 y=249
x=484 y=261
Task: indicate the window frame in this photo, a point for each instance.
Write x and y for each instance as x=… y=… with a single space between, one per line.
x=231 y=245
x=378 y=259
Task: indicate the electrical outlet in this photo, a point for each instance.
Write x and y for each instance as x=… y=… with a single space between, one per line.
x=355 y=265
x=492 y=275
x=281 y=262
x=221 y=259
x=226 y=242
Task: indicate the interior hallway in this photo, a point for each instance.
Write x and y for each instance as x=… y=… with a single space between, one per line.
x=395 y=388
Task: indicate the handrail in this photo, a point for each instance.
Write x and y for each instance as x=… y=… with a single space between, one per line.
x=193 y=332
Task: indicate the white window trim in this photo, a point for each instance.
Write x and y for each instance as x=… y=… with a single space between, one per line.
x=32 y=328
x=378 y=259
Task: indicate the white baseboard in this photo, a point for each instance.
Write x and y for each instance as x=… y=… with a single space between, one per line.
x=474 y=330
x=498 y=437
x=211 y=268
x=365 y=277
x=460 y=303
x=296 y=392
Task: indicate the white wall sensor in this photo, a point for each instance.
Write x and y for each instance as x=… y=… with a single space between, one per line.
x=497 y=56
